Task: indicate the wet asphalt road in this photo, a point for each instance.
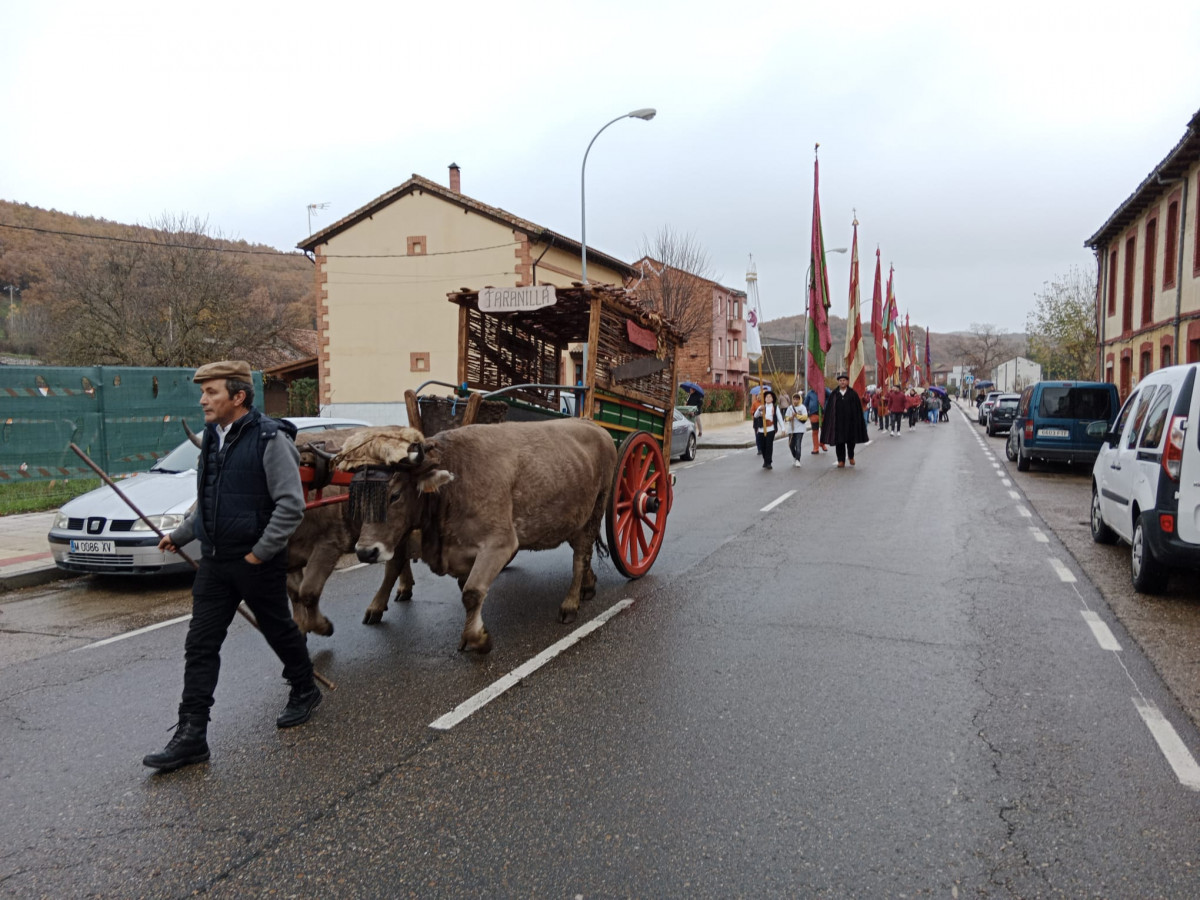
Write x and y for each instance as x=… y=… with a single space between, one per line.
x=842 y=696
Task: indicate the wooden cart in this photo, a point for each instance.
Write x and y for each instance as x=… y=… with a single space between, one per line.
x=627 y=358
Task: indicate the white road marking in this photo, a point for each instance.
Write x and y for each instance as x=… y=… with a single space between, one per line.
x=1014 y=495
x=496 y=688
x=1169 y=743
x=1024 y=512
x=1038 y=534
x=1104 y=637
x=1006 y=483
x=999 y=472
x=774 y=503
x=995 y=465
x=1064 y=574
x=134 y=633
x=352 y=568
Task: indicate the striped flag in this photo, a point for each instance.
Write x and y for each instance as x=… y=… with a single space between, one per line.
x=891 y=320
x=928 y=364
x=908 y=351
x=819 y=340
x=855 y=366
x=877 y=324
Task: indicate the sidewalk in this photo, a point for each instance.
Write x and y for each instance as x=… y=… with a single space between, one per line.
x=25 y=558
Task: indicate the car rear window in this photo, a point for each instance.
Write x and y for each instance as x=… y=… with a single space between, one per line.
x=1074 y=403
x=1009 y=402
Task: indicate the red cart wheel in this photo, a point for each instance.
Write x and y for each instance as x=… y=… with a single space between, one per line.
x=637 y=510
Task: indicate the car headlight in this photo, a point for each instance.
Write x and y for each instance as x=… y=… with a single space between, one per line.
x=162 y=523
x=62 y=520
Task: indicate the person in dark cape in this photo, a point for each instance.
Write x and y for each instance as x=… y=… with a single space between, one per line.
x=843 y=425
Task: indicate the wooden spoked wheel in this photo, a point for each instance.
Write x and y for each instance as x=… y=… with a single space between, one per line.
x=637 y=510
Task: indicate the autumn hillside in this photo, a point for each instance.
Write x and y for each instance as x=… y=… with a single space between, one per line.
x=118 y=279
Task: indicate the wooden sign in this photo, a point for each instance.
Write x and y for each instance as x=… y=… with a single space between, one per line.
x=641 y=337
x=637 y=368
x=516 y=299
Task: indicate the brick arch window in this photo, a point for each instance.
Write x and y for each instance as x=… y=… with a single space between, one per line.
x=1171 y=243
x=1127 y=297
x=1112 y=282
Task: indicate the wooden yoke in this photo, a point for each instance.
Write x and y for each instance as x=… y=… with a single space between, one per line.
x=473 y=403
x=414 y=411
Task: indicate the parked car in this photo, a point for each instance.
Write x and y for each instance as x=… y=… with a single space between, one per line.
x=986 y=406
x=1000 y=416
x=98 y=533
x=1052 y=421
x=683 y=437
x=1146 y=478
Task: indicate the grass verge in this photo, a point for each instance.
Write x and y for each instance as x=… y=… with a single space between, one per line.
x=39 y=496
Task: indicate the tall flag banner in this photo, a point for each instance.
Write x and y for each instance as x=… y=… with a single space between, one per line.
x=891 y=319
x=753 y=339
x=855 y=362
x=818 y=339
x=877 y=324
x=908 y=354
x=928 y=364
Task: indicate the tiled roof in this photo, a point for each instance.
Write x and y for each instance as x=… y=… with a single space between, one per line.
x=419 y=183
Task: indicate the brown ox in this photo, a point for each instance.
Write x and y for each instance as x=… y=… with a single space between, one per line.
x=479 y=494
x=327 y=533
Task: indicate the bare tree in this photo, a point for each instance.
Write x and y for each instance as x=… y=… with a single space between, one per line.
x=983 y=347
x=176 y=299
x=1062 y=326
x=675 y=280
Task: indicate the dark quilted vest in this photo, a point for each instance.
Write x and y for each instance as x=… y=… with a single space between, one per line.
x=235 y=505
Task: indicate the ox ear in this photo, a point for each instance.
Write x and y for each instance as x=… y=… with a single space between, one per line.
x=431 y=482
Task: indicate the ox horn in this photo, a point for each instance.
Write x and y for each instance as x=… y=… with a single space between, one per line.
x=416 y=454
x=192 y=436
x=322 y=452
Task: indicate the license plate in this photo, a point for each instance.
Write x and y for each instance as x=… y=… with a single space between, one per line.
x=92 y=546
x=1053 y=432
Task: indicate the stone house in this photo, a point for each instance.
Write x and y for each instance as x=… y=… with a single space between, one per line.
x=382 y=276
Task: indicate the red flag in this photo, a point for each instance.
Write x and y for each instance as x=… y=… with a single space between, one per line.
x=819 y=340
x=908 y=354
x=891 y=318
x=877 y=324
x=855 y=364
x=928 y=365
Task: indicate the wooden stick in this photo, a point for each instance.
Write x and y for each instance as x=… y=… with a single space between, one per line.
x=195 y=565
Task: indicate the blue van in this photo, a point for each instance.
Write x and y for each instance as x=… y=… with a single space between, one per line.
x=1052 y=421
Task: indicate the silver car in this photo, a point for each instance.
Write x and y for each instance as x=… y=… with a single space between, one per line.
x=98 y=533
x=683 y=437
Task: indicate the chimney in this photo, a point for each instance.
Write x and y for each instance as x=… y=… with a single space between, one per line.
x=455 y=181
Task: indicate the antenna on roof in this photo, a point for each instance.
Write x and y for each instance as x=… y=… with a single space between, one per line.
x=311 y=207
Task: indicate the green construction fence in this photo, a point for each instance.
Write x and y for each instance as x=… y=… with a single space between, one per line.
x=123 y=417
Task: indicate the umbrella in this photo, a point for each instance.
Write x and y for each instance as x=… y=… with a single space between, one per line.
x=936 y=389
x=692 y=386
x=984 y=384
x=754 y=390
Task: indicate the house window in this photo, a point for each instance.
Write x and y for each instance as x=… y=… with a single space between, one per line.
x=1123 y=387
x=1127 y=299
x=1148 y=269
x=737 y=347
x=416 y=245
x=1165 y=356
x=418 y=362
x=1170 y=245
x=1112 y=283
x=1145 y=363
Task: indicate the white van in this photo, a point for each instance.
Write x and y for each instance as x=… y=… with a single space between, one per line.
x=1146 y=480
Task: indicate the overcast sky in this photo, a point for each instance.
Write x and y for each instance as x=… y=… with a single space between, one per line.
x=980 y=148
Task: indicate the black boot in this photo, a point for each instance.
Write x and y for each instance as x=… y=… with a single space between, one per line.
x=188 y=745
x=305 y=697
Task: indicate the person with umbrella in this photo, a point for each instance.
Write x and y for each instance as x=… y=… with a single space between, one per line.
x=843 y=425
x=695 y=397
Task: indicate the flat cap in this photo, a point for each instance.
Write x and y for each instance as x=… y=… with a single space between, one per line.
x=226 y=368
x=841 y=375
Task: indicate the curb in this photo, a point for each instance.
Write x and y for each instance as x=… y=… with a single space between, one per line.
x=33 y=578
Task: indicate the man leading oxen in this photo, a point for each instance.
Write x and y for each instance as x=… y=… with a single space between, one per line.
x=479 y=494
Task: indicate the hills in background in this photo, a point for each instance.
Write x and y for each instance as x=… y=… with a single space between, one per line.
x=946 y=349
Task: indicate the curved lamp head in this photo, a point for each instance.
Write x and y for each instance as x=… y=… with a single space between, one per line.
x=646 y=114
x=837 y=250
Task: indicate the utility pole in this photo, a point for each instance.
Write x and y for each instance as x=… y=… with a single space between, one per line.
x=11 y=311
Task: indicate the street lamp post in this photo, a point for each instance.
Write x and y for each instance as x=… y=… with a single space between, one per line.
x=644 y=114
x=808 y=275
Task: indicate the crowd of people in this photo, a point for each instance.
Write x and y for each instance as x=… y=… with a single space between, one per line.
x=843 y=420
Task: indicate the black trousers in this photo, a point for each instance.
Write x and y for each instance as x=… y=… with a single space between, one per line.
x=768 y=448
x=219 y=587
x=842 y=449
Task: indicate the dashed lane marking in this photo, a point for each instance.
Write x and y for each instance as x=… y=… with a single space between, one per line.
x=1024 y=512
x=1014 y=495
x=1176 y=752
x=498 y=687
x=134 y=633
x=1038 y=534
x=774 y=503
x=1006 y=483
x=1060 y=569
x=1104 y=637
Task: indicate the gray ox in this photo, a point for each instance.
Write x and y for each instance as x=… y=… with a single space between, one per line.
x=328 y=532
x=479 y=494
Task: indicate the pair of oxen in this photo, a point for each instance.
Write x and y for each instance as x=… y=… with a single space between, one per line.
x=463 y=501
